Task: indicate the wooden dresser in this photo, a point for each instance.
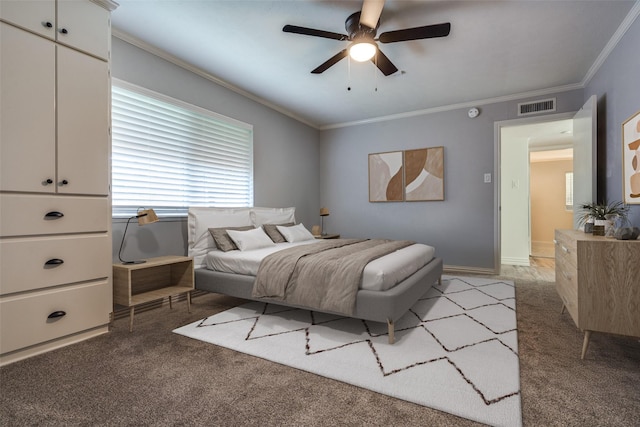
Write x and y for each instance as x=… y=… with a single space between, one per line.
x=55 y=207
x=598 y=280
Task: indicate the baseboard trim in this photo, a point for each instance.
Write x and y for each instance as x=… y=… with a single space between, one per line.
x=542 y=244
x=121 y=312
x=516 y=261
x=456 y=269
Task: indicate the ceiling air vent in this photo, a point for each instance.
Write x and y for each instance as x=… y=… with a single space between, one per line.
x=543 y=106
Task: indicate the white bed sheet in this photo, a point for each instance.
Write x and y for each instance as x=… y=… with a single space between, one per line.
x=379 y=275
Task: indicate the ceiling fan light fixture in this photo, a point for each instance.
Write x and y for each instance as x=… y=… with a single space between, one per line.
x=362 y=51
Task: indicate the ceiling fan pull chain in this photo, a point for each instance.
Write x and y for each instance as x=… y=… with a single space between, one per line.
x=348 y=73
x=375 y=74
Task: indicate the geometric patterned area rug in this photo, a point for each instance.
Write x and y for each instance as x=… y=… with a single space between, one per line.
x=456 y=350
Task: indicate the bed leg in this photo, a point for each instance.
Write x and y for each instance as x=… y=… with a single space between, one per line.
x=391 y=329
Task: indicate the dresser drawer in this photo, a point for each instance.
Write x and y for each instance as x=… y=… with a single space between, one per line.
x=27 y=215
x=567 y=288
x=24 y=319
x=566 y=249
x=35 y=263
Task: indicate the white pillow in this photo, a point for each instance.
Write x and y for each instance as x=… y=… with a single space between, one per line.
x=200 y=219
x=261 y=216
x=251 y=239
x=296 y=233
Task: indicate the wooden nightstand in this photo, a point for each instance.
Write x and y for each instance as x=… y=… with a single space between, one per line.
x=328 y=236
x=155 y=279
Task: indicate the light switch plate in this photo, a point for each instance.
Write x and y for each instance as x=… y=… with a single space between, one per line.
x=487 y=178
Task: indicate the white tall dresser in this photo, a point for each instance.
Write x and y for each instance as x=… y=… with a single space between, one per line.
x=55 y=206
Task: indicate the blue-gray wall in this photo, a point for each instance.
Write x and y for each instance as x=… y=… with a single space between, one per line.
x=296 y=165
x=617 y=86
x=461 y=227
x=285 y=151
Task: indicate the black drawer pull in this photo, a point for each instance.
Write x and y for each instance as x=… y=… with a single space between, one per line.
x=54 y=215
x=54 y=261
x=57 y=314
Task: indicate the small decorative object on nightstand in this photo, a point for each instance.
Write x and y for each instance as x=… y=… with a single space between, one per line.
x=155 y=279
x=323 y=212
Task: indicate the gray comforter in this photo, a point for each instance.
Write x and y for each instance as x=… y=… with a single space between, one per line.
x=324 y=276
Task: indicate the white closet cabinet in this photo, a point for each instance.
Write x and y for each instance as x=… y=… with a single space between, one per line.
x=80 y=23
x=55 y=206
x=36 y=16
x=29 y=106
x=27 y=111
x=83 y=123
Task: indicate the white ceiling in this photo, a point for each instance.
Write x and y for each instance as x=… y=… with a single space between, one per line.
x=496 y=49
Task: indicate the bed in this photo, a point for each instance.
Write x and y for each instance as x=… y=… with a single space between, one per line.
x=390 y=284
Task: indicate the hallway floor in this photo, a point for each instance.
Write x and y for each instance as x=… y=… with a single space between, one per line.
x=541 y=268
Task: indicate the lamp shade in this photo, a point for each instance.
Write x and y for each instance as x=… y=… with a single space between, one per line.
x=324 y=211
x=146 y=216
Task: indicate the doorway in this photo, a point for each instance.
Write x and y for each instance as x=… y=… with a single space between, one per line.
x=512 y=215
x=550 y=195
x=528 y=153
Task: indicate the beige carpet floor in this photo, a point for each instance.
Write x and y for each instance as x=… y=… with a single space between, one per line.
x=154 y=377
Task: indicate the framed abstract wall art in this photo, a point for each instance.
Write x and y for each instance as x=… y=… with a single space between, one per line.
x=386 y=177
x=424 y=174
x=631 y=159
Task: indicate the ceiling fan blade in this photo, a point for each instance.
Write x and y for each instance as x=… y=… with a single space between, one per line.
x=417 y=33
x=383 y=63
x=311 y=32
x=371 y=10
x=330 y=62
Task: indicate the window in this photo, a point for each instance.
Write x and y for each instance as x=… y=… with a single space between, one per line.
x=169 y=155
x=568 y=190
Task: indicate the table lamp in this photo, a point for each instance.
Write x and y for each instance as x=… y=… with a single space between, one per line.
x=323 y=212
x=144 y=216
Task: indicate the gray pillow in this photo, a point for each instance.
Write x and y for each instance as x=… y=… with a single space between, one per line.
x=222 y=239
x=273 y=232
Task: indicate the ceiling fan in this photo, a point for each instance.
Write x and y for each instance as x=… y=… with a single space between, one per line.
x=361 y=29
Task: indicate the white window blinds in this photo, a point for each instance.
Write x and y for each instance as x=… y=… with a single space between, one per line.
x=169 y=155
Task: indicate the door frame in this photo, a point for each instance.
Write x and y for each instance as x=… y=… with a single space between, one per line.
x=497 y=147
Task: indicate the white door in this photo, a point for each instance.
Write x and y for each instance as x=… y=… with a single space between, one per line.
x=38 y=16
x=84 y=25
x=83 y=123
x=27 y=112
x=584 y=157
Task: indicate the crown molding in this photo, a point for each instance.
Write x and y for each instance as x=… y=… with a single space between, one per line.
x=476 y=103
x=198 y=71
x=613 y=42
x=110 y=5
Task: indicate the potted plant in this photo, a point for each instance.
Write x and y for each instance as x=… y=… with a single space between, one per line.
x=603 y=215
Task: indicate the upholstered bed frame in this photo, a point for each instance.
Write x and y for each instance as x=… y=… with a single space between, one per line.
x=378 y=306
